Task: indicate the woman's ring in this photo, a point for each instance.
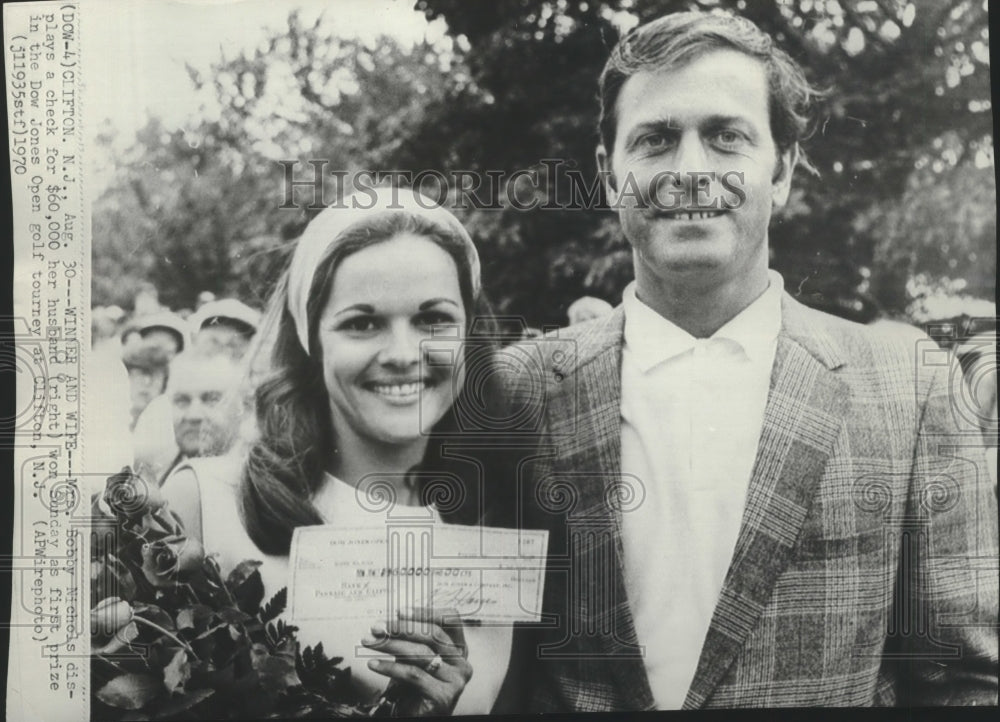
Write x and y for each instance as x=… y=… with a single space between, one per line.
x=434 y=664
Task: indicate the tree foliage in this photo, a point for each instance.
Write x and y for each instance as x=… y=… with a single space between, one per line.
x=200 y=207
x=902 y=143
x=903 y=139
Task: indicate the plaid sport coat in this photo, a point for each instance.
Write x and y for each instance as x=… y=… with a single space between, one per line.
x=866 y=566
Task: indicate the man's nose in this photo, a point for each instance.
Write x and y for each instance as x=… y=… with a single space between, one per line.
x=691 y=155
x=195 y=410
x=691 y=163
x=401 y=347
x=689 y=180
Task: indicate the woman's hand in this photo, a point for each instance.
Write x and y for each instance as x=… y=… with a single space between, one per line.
x=431 y=666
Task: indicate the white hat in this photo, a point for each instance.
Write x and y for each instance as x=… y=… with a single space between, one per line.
x=225 y=308
x=167 y=320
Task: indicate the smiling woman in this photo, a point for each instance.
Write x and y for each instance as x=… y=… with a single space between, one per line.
x=386 y=302
x=369 y=335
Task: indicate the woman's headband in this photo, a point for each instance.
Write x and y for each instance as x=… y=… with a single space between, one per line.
x=357 y=209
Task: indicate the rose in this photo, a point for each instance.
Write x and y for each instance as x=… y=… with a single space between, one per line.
x=129 y=495
x=112 y=625
x=109 y=616
x=167 y=560
x=110 y=578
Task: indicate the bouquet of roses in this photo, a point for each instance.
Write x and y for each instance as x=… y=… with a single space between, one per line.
x=172 y=639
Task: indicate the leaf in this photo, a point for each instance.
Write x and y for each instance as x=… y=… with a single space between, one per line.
x=213 y=572
x=135 y=717
x=130 y=691
x=218 y=678
x=276 y=670
x=321 y=675
x=114 y=580
x=194 y=617
x=222 y=647
x=278 y=631
x=229 y=615
x=249 y=591
x=287 y=648
x=275 y=606
x=242 y=572
x=180 y=704
x=177 y=672
x=156 y=615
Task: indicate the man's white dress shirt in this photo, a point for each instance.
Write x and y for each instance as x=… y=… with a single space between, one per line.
x=692 y=411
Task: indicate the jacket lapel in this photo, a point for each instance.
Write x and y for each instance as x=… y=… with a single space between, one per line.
x=806 y=407
x=584 y=417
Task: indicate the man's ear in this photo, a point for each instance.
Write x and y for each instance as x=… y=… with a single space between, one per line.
x=607 y=175
x=781 y=182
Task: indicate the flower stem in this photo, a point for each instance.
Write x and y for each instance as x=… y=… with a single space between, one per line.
x=113 y=664
x=173 y=636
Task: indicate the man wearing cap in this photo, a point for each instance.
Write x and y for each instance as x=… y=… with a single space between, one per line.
x=147 y=365
x=224 y=326
x=221 y=328
x=164 y=329
x=750 y=503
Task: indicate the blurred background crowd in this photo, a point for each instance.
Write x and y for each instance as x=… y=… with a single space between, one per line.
x=898 y=226
x=170 y=384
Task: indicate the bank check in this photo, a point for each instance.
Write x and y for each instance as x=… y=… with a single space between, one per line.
x=489 y=575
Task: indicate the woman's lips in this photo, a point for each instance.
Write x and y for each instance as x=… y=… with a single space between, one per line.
x=397 y=390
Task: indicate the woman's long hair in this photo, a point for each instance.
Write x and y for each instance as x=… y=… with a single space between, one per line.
x=286 y=462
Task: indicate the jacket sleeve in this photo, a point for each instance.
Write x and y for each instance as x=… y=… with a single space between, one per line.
x=946 y=611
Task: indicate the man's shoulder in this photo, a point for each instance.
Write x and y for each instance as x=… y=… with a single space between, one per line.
x=531 y=369
x=563 y=350
x=871 y=346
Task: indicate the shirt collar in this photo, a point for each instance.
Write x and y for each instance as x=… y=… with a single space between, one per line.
x=652 y=339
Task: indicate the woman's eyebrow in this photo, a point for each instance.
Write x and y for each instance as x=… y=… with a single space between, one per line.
x=435 y=301
x=362 y=307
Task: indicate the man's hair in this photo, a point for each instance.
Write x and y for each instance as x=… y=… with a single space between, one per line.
x=677 y=39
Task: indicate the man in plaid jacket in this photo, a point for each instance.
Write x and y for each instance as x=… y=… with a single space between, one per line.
x=751 y=503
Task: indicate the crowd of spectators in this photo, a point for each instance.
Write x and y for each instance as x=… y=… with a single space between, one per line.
x=165 y=385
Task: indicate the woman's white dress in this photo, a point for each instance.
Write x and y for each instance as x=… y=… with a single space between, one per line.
x=223 y=534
